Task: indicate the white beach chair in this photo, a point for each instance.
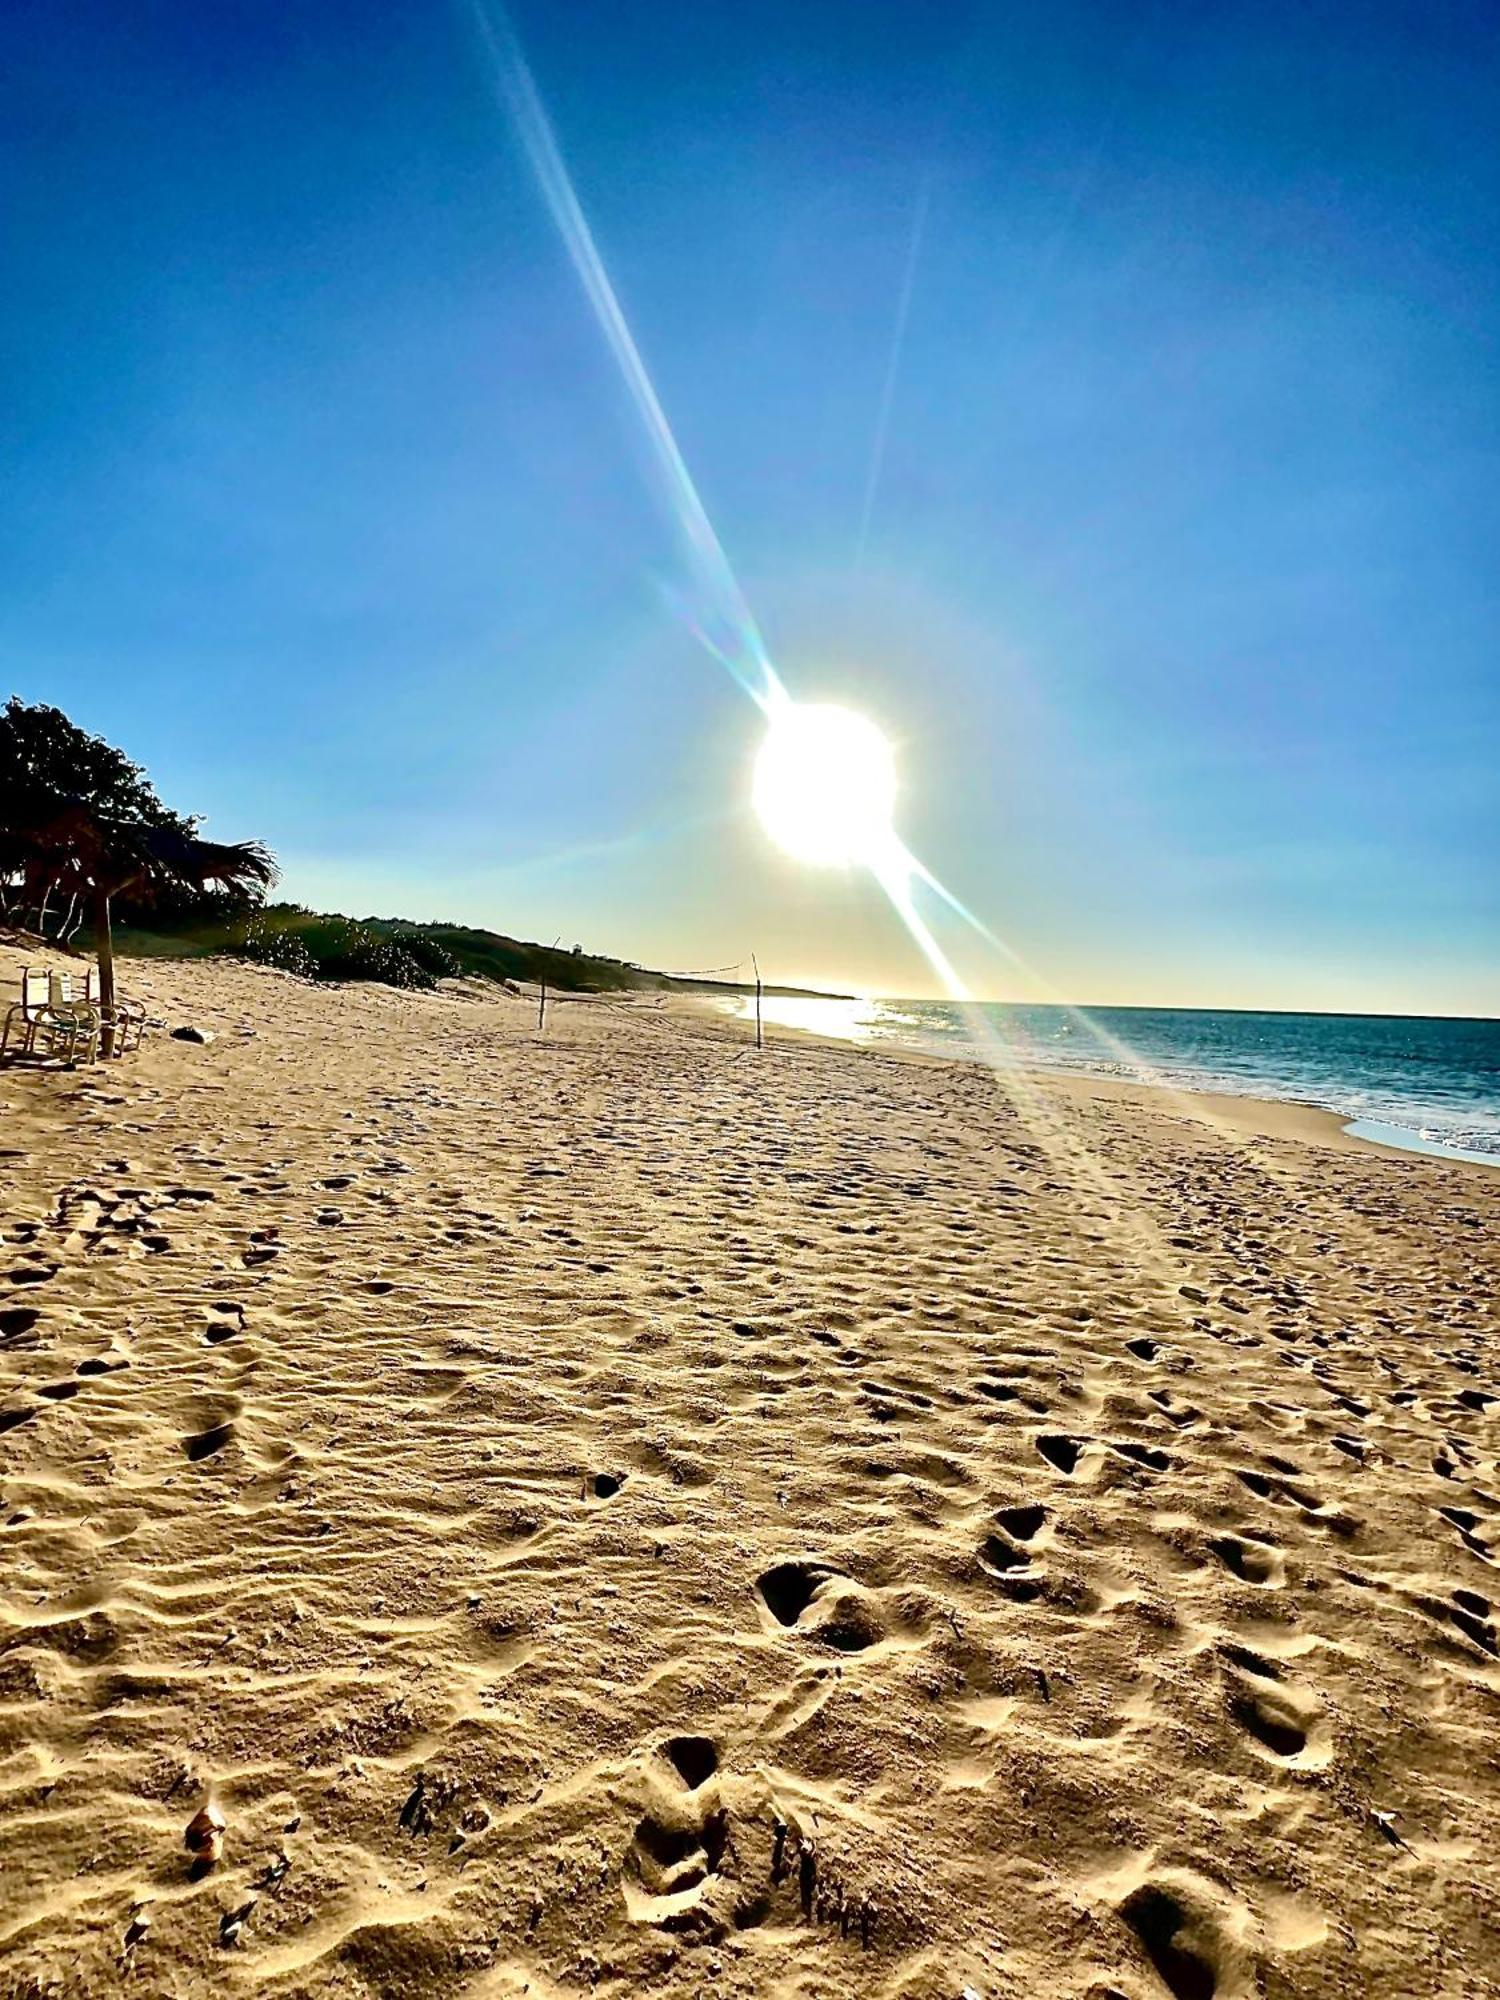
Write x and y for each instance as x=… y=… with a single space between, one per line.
x=127 y=1018
x=70 y=1018
x=22 y=1018
x=47 y=1020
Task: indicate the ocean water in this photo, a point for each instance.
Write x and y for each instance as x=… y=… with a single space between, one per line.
x=1431 y=1085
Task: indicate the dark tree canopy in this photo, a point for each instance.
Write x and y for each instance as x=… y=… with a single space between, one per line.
x=79 y=820
x=45 y=757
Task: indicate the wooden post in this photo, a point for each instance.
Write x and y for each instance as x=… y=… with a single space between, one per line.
x=104 y=944
x=541 y=1012
x=760 y=1039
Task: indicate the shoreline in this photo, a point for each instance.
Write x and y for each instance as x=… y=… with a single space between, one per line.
x=1246 y=1112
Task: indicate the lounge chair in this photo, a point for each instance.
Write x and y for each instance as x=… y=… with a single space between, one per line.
x=127 y=1018
x=48 y=1020
x=70 y=1015
x=22 y=1019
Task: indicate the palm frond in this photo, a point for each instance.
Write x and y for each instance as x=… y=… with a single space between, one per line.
x=63 y=840
x=183 y=857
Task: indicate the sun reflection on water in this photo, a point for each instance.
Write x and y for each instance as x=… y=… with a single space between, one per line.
x=856 y=1020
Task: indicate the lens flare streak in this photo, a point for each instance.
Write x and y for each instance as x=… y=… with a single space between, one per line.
x=724 y=616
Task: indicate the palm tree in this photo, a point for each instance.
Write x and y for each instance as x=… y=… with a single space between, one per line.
x=78 y=819
x=79 y=853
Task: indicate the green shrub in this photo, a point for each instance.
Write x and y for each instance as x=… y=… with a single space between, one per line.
x=283 y=949
x=366 y=956
x=336 y=948
x=429 y=954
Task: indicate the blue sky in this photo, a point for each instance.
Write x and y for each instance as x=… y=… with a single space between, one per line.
x=320 y=494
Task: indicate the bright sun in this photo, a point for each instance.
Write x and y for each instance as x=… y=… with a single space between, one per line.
x=825 y=785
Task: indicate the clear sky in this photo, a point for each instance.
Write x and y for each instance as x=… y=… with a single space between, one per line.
x=1176 y=587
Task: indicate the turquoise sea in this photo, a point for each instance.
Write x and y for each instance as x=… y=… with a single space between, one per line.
x=1433 y=1085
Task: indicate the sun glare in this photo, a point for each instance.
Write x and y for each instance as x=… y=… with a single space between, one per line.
x=825 y=785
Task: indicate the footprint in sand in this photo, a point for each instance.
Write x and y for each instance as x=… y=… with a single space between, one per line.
x=1062 y=1453
x=216 y=1432
x=204 y=1444
x=1007 y=1554
x=1024 y=1523
x=110 y=1362
x=668 y=1867
x=693 y=1759
x=1251 y=1558
x=998 y=1392
x=681 y=1844
x=1280 y=1719
x=1181 y=1414
x=226 y=1319
x=1468 y=1525
x=1000 y=1557
x=815 y=1602
x=1181 y=1936
x=1143 y=1454
x=1250 y=1662
x=1469 y=1612
x=17 y=1328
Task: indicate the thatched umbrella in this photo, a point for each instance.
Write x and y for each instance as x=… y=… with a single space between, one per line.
x=82 y=853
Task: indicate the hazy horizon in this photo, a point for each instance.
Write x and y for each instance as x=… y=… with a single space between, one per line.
x=1105 y=406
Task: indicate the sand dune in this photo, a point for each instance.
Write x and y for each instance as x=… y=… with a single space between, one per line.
x=616 y=1514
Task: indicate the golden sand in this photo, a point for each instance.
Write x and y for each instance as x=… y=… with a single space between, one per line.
x=616 y=1514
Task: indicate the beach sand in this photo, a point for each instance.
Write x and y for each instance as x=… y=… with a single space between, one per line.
x=615 y=1513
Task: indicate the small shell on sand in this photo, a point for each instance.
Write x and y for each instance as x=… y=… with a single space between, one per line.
x=204 y=1838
